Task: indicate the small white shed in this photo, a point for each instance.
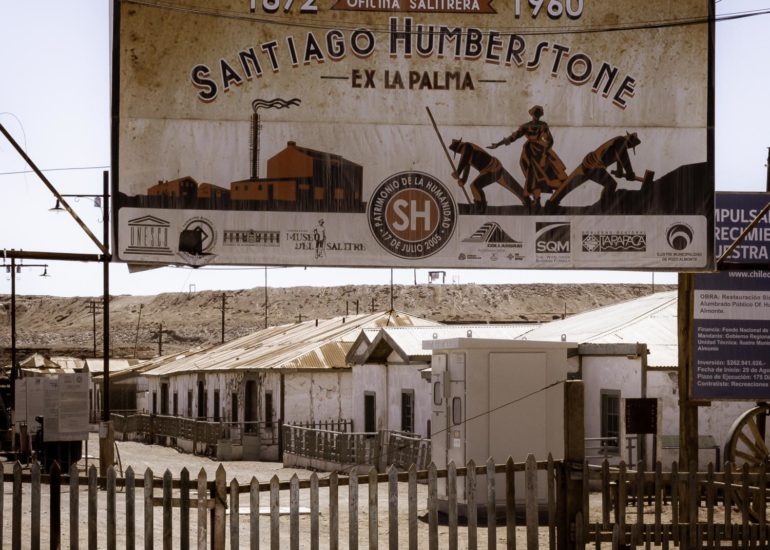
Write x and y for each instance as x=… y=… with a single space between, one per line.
x=497 y=398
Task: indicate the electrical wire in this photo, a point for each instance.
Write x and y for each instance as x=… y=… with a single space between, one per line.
x=325 y=25
x=465 y=421
x=55 y=169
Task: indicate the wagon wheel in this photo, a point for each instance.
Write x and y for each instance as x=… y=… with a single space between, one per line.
x=748 y=442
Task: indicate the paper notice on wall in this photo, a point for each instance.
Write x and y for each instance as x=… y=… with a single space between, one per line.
x=73 y=407
x=29 y=401
x=51 y=410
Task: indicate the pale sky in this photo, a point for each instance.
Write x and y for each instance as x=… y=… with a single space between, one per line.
x=54 y=99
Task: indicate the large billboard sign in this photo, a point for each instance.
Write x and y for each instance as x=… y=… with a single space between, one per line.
x=433 y=133
x=731 y=311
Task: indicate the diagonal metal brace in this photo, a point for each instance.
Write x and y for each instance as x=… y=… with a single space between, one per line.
x=53 y=190
x=743 y=235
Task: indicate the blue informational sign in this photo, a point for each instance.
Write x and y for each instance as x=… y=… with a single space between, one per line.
x=731 y=337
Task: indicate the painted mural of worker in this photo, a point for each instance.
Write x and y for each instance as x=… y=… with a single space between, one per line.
x=594 y=168
x=542 y=168
x=490 y=171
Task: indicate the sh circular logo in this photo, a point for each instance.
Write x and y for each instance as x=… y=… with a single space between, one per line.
x=412 y=215
x=679 y=236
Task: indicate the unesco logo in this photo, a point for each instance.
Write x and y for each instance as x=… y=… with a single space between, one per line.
x=679 y=236
x=412 y=215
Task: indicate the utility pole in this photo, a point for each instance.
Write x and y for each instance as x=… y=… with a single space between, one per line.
x=138 y=322
x=391 y=289
x=688 y=410
x=93 y=307
x=224 y=308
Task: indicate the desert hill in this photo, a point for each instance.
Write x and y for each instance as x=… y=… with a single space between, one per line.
x=61 y=326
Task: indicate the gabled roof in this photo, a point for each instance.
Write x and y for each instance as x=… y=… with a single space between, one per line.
x=650 y=320
x=407 y=341
x=321 y=344
x=38 y=363
x=96 y=366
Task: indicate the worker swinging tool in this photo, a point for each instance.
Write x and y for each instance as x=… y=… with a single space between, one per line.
x=449 y=158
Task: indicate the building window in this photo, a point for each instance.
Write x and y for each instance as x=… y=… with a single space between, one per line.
x=217 y=416
x=370 y=412
x=154 y=402
x=407 y=411
x=250 y=410
x=202 y=408
x=457 y=411
x=164 y=398
x=189 y=403
x=437 y=393
x=234 y=407
x=268 y=409
x=176 y=404
x=610 y=417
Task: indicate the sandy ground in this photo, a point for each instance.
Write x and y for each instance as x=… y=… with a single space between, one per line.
x=160 y=459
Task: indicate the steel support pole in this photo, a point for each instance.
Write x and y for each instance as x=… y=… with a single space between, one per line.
x=13 y=334
x=106 y=297
x=688 y=411
x=106 y=435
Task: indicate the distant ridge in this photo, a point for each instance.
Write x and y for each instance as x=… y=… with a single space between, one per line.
x=65 y=326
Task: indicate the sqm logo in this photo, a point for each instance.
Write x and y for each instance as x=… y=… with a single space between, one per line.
x=552 y=237
x=679 y=236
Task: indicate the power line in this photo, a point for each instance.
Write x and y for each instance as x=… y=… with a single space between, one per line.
x=325 y=25
x=485 y=413
x=55 y=170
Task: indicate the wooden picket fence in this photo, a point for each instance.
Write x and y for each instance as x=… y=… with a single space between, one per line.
x=195 y=511
x=686 y=509
x=632 y=508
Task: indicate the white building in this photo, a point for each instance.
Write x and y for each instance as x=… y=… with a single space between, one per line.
x=295 y=373
x=391 y=390
x=630 y=350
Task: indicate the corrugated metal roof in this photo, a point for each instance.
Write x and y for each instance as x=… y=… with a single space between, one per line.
x=297 y=345
x=37 y=363
x=96 y=366
x=650 y=320
x=74 y=364
x=409 y=339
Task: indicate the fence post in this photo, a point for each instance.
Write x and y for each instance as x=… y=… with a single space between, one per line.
x=55 y=506
x=167 y=532
x=530 y=496
x=92 y=504
x=220 y=504
x=16 y=508
x=149 y=520
x=130 y=509
x=111 y=509
x=334 y=517
x=254 y=514
x=235 y=514
x=184 y=509
x=574 y=457
x=202 y=509
x=35 y=506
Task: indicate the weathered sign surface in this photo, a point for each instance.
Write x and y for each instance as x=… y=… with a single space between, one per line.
x=434 y=133
x=731 y=333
